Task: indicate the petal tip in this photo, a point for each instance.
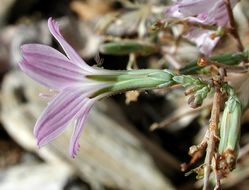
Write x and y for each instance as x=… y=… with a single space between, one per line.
x=74 y=150
x=53 y=26
x=38 y=143
x=51 y=21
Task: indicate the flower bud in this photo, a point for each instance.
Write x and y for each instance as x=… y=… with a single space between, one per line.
x=229 y=135
x=198 y=88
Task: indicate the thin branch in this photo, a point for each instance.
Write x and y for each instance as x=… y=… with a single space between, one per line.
x=216 y=174
x=213 y=136
x=233 y=68
x=188 y=24
x=132 y=62
x=232 y=25
x=196 y=152
x=243 y=152
x=177 y=116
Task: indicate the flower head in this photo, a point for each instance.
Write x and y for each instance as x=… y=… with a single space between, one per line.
x=79 y=86
x=212 y=12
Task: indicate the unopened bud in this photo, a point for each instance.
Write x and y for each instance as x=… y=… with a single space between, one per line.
x=197 y=99
x=230 y=125
x=229 y=135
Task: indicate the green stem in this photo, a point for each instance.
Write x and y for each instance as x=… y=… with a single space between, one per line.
x=227 y=59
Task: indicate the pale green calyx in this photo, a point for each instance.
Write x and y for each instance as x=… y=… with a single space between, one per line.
x=229 y=134
x=230 y=125
x=133 y=80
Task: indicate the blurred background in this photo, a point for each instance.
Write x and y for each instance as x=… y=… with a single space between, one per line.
x=119 y=151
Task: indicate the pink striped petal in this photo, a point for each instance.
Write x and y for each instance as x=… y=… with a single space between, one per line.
x=49 y=67
x=193 y=10
x=188 y=8
x=203 y=40
x=70 y=52
x=74 y=143
x=59 y=112
x=212 y=12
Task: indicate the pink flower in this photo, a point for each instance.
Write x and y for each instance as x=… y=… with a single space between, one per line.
x=79 y=86
x=67 y=75
x=211 y=12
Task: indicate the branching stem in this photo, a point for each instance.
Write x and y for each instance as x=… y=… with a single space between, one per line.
x=213 y=136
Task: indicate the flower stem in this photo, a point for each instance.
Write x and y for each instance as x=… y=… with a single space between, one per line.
x=227 y=59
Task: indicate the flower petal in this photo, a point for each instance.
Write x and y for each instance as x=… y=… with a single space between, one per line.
x=217 y=15
x=212 y=12
x=74 y=143
x=72 y=55
x=203 y=40
x=49 y=67
x=59 y=112
x=187 y=8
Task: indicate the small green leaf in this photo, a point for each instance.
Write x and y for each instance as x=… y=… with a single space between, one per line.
x=127 y=47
